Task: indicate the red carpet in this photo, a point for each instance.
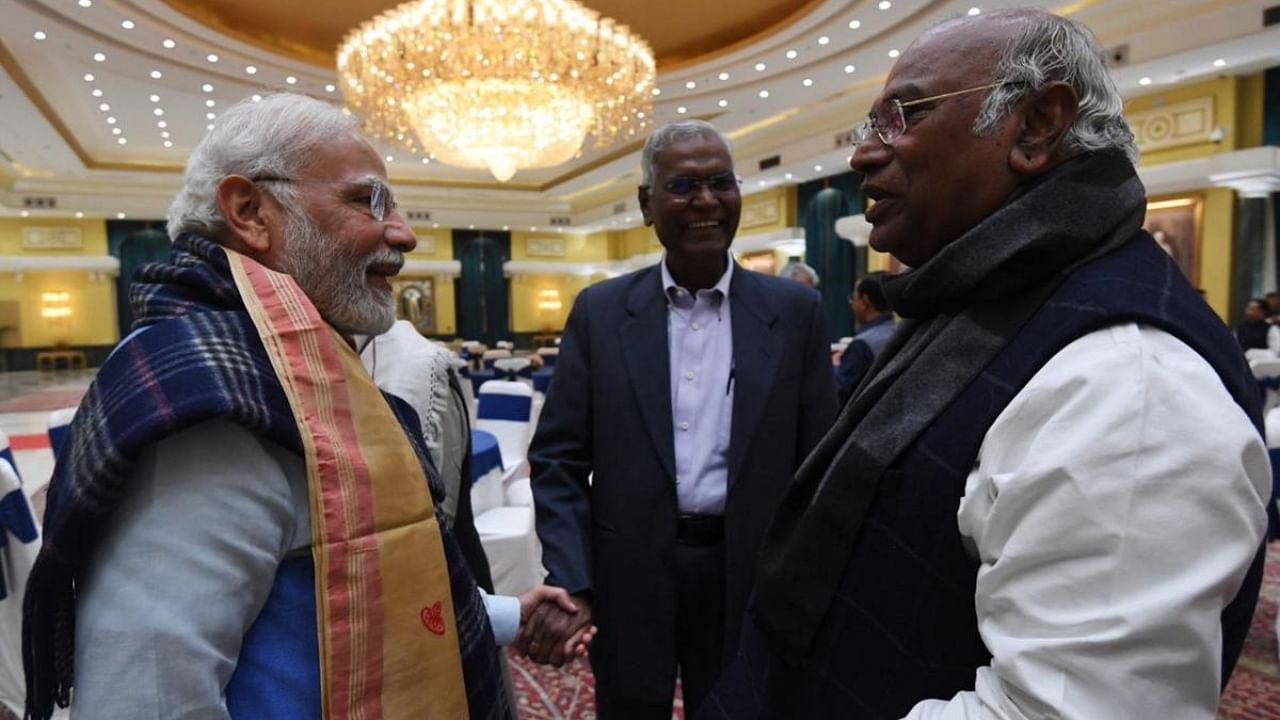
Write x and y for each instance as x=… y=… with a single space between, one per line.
x=545 y=693
x=52 y=399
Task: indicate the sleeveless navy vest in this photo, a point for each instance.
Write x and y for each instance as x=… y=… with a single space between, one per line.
x=903 y=627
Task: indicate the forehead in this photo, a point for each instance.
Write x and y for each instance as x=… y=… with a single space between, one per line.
x=349 y=157
x=950 y=57
x=700 y=155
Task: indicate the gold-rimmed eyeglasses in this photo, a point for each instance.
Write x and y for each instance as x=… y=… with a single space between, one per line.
x=381 y=201
x=888 y=121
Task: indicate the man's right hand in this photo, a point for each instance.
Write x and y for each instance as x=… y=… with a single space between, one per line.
x=553 y=636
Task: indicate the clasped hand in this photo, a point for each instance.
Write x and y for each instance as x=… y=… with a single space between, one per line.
x=554 y=627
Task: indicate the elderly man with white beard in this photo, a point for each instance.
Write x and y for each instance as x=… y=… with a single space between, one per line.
x=242 y=525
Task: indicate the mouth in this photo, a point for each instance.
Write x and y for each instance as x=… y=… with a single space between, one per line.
x=702 y=224
x=883 y=202
x=380 y=273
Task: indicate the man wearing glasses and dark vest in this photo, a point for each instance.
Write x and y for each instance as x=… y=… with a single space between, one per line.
x=684 y=399
x=1047 y=500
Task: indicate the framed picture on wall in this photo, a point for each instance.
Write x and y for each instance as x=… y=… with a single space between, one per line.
x=761 y=262
x=1175 y=223
x=416 y=302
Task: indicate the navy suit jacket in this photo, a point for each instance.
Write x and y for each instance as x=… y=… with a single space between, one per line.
x=608 y=416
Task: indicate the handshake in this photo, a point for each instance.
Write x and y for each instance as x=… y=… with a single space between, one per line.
x=554 y=627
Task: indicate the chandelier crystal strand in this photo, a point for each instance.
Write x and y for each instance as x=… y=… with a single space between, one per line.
x=503 y=85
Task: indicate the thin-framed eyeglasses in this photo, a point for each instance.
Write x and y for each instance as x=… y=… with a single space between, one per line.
x=382 y=202
x=684 y=185
x=889 y=122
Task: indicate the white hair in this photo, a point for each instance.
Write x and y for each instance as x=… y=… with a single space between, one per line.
x=796 y=269
x=675 y=132
x=272 y=137
x=1049 y=49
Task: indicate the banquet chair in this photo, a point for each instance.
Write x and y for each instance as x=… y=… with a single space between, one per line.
x=505 y=409
x=6 y=453
x=19 y=545
x=492 y=356
x=60 y=429
x=1267 y=373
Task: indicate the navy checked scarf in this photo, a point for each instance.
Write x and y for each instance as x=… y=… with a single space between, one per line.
x=200 y=358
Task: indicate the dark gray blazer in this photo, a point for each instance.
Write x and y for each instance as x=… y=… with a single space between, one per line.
x=608 y=412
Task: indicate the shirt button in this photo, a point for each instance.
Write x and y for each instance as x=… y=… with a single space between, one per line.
x=684 y=425
x=695 y=326
x=688 y=375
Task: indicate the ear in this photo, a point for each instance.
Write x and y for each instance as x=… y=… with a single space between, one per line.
x=642 y=194
x=241 y=203
x=1047 y=116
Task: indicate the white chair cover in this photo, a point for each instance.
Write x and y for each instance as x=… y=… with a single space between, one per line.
x=1268 y=372
x=510 y=543
x=504 y=408
x=19 y=545
x=59 y=420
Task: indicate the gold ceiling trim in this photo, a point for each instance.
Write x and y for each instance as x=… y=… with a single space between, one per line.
x=674 y=64
x=206 y=15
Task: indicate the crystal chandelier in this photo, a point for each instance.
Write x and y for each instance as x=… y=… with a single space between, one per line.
x=497 y=84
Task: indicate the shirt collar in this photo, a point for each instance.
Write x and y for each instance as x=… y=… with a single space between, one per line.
x=722 y=285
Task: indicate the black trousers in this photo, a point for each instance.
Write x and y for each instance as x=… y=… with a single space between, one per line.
x=699 y=637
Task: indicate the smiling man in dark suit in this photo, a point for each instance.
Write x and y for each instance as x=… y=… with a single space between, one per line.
x=692 y=390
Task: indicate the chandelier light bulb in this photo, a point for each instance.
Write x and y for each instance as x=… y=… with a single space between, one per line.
x=536 y=80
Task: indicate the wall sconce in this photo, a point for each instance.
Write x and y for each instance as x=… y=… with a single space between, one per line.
x=549 y=301
x=55 y=307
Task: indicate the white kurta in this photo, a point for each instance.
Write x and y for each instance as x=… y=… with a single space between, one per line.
x=1115 y=507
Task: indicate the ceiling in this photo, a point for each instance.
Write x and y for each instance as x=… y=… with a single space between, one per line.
x=781 y=77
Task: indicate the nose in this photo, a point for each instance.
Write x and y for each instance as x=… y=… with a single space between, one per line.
x=398 y=234
x=869 y=154
x=703 y=194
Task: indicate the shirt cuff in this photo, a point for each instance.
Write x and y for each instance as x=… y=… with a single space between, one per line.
x=504 y=616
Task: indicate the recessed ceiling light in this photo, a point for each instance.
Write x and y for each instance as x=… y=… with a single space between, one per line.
x=855 y=24
x=209 y=126
x=156 y=74
x=211 y=58
x=764 y=93
x=165 y=134
x=885 y=5
x=849 y=69
x=96 y=92
x=791 y=54
x=640 y=114
x=817 y=168
x=122 y=141
x=104 y=107
x=257 y=97
x=330 y=87
x=761 y=183
x=291 y=80
x=975 y=11
x=88 y=77
x=85 y=3
x=1144 y=81
x=760 y=67
x=894 y=53
x=426 y=161
x=120 y=216
x=682 y=109
x=390 y=158
x=657 y=91
x=155 y=98
x=787 y=176
x=25 y=213
x=824 y=40
x=533 y=228
x=126 y=24
x=162 y=124
x=807 y=82
x=39 y=35
x=111 y=120
x=210 y=116
x=723 y=103
x=116 y=131
x=210 y=103
x=690 y=85
x=99 y=57
x=79 y=214
x=251 y=70
x=207 y=87
x=435 y=225
x=158 y=112
x=1219 y=62
x=168 y=143
x=471 y=227
x=723 y=76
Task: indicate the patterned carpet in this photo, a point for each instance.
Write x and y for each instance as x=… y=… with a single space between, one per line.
x=1254 y=690
x=546 y=693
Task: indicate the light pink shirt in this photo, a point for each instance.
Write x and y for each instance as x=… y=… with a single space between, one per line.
x=700 y=341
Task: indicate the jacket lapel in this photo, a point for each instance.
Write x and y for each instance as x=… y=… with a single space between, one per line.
x=757 y=351
x=644 y=346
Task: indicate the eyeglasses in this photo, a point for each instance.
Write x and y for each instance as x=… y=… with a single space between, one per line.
x=721 y=184
x=382 y=202
x=888 y=121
